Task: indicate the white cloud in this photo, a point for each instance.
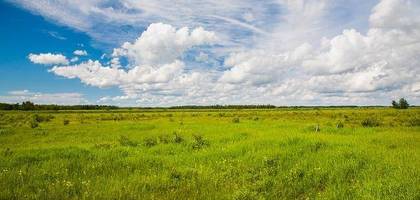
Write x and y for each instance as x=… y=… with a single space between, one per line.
x=280 y=52
x=162 y=43
x=158 y=72
x=74 y=59
x=80 y=53
x=48 y=59
x=44 y=98
x=351 y=67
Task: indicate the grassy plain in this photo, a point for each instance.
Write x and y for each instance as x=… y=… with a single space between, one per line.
x=348 y=153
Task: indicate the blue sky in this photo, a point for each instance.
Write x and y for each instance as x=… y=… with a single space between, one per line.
x=160 y=53
x=26 y=33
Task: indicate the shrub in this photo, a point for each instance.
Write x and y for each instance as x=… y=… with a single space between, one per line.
x=103 y=146
x=370 y=122
x=199 y=142
x=33 y=124
x=40 y=118
x=150 y=142
x=414 y=122
x=235 y=120
x=177 y=138
x=66 y=122
x=164 y=139
x=125 y=141
x=340 y=125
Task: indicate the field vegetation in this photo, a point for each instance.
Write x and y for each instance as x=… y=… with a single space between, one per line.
x=302 y=153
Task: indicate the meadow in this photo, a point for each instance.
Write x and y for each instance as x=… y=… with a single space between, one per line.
x=328 y=153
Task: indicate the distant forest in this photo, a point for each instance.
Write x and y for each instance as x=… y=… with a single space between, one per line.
x=27 y=105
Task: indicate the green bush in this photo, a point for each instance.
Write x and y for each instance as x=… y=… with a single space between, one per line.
x=235 y=120
x=42 y=118
x=177 y=138
x=370 y=122
x=164 y=139
x=340 y=125
x=125 y=141
x=33 y=124
x=199 y=142
x=150 y=142
x=414 y=121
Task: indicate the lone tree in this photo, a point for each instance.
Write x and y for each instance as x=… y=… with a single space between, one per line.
x=395 y=104
x=402 y=104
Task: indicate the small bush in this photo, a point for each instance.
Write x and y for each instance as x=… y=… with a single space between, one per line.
x=340 y=125
x=41 y=118
x=164 y=139
x=199 y=142
x=414 y=122
x=103 y=146
x=235 y=120
x=33 y=124
x=66 y=122
x=40 y=133
x=150 y=142
x=370 y=122
x=125 y=141
x=177 y=138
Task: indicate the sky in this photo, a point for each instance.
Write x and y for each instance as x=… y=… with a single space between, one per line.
x=205 y=52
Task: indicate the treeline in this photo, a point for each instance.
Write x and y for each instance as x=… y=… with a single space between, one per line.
x=224 y=107
x=27 y=105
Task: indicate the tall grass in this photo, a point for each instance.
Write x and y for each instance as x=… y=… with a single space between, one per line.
x=205 y=154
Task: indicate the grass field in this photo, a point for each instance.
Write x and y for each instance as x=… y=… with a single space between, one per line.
x=357 y=153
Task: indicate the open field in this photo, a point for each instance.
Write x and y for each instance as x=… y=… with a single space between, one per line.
x=351 y=153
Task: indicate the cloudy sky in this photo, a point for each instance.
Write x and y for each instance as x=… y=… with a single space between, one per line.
x=179 y=52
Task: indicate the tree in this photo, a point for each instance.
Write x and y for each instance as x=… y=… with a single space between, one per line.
x=395 y=104
x=27 y=105
x=403 y=104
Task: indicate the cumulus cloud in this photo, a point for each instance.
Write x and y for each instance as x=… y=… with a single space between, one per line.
x=80 y=53
x=48 y=59
x=155 y=66
x=382 y=60
x=95 y=74
x=44 y=98
x=296 y=56
x=162 y=43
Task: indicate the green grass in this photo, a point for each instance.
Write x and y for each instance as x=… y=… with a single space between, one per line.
x=211 y=154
